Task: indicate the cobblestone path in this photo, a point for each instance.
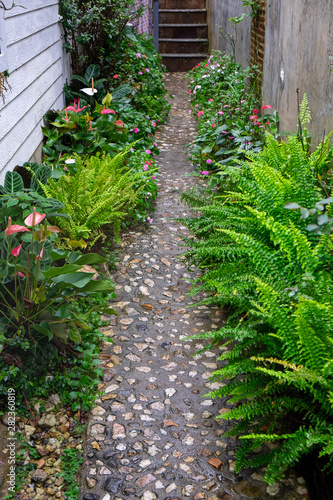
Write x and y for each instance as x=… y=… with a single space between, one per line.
x=153 y=433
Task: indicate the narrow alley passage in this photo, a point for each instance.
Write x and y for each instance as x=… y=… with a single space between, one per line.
x=153 y=434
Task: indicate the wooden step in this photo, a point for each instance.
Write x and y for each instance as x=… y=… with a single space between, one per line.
x=182 y=62
x=182 y=45
x=182 y=16
x=183 y=31
x=185 y=4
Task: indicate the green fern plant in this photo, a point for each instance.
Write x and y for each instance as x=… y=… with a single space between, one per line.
x=259 y=259
x=100 y=193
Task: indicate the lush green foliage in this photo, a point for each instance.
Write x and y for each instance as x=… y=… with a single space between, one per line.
x=273 y=271
x=101 y=192
x=36 y=370
x=94 y=30
x=229 y=125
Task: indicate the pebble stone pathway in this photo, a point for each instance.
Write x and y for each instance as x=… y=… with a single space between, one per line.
x=153 y=434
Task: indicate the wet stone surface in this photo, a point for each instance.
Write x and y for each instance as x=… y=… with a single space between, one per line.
x=153 y=434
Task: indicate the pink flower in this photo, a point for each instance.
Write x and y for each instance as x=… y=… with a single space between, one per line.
x=255 y=111
x=153 y=124
x=155 y=144
x=200 y=113
x=253 y=117
x=21 y=275
x=14 y=228
x=115 y=76
x=150 y=220
x=153 y=177
x=227 y=106
x=138 y=54
x=107 y=111
x=214 y=125
x=145 y=168
x=73 y=108
x=210 y=100
x=204 y=172
x=34 y=218
x=16 y=251
x=136 y=130
x=119 y=123
x=266 y=106
x=220 y=113
x=140 y=73
x=66 y=119
x=209 y=161
x=140 y=32
x=40 y=255
x=148 y=151
x=147 y=70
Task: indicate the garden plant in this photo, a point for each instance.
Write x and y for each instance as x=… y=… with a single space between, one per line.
x=98 y=176
x=263 y=241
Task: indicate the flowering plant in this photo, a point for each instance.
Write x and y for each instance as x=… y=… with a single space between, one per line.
x=37 y=298
x=229 y=123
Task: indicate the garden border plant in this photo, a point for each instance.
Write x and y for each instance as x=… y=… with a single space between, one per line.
x=262 y=260
x=109 y=122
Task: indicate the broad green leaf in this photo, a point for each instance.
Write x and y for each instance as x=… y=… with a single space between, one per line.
x=97 y=286
x=89 y=258
x=78 y=279
x=13 y=182
x=61 y=271
x=74 y=334
x=92 y=71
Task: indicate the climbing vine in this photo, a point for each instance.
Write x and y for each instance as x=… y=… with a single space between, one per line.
x=253 y=9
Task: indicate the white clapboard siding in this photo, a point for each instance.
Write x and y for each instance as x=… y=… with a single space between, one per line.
x=38 y=69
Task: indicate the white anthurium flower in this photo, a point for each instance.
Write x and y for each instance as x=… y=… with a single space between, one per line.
x=90 y=90
x=70 y=161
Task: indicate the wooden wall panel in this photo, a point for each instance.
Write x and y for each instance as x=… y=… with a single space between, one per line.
x=38 y=69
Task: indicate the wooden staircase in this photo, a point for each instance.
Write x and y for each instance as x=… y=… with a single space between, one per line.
x=183 y=33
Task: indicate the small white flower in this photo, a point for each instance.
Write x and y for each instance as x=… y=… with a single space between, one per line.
x=89 y=91
x=70 y=161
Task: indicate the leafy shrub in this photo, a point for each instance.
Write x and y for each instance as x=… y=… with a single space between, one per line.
x=101 y=192
x=260 y=260
x=229 y=125
x=17 y=201
x=94 y=29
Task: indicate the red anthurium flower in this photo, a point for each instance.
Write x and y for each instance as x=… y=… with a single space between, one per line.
x=66 y=119
x=73 y=108
x=14 y=228
x=255 y=111
x=34 y=218
x=119 y=123
x=16 y=251
x=107 y=111
x=266 y=106
x=40 y=255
